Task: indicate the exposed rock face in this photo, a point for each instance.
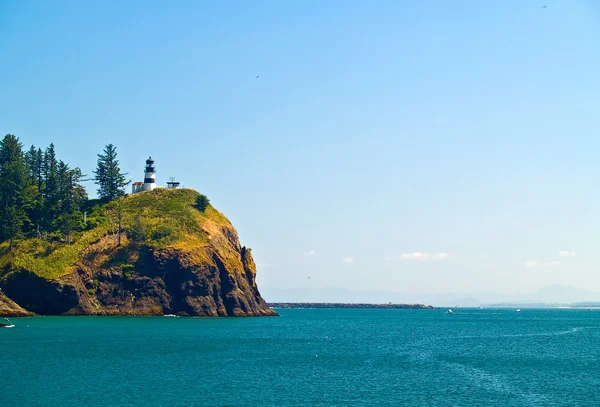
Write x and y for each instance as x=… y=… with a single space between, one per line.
x=8 y=308
x=218 y=279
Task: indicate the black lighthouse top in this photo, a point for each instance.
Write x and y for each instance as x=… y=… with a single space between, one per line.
x=149 y=166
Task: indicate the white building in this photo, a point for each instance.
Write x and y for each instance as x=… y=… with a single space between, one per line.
x=172 y=184
x=137 y=187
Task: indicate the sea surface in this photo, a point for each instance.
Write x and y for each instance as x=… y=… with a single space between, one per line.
x=320 y=357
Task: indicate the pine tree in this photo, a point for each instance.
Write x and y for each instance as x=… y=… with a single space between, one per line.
x=70 y=193
x=31 y=162
x=76 y=193
x=13 y=182
x=38 y=193
x=108 y=176
x=50 y=192
x=68 y=223
x=12 y=223
x=71 y=198
x=50 y=172
x=138 y=230
x=39 y=169
x=33 y=194
x=62 y=179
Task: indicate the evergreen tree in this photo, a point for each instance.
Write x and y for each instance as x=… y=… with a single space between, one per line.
x=38 y=193
x=31 y=161
x=63 y=184
x=50 y=192
x=76 y=194
x=34 y=209
x=12 y=223
x=138 y=230
x=39 y=169
x=71 y=198
x=202 y=202
x=108 y=176
x=68 y=223
x=13 y=182
x=50 y=172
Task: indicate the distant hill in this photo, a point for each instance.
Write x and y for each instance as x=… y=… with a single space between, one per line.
x=553 y=294
x=563 y=294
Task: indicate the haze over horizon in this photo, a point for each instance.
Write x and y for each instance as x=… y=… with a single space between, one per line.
x=553 y=295
x=393 y=147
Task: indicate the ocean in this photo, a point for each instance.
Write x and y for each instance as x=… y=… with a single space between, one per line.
x=305 y=357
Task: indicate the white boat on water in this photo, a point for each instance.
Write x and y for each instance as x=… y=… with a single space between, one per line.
x=8 y=324
x=449 y=312
x=518 y=310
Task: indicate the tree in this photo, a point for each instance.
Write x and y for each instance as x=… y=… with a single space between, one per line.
x=39 y=167
x=138 y=230
x=13 y=182
x=202 y=202
x=38 y=193
x=76 y=195
x=33 y=194
x=68 y=223
x=50 y=192
x=31 y=162
x=108 y=176
x=50 y=172
x=32 y=205
x=70 y=198
x=12 y=223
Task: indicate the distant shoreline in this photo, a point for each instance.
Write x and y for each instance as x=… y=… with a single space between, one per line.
x=346 y=305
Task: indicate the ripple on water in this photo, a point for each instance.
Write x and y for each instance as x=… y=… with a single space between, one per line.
x=306 y=358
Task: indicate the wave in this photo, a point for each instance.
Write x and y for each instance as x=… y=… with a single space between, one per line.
x=495 y=383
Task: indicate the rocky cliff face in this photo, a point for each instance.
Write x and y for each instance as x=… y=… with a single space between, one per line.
x=213 y=277
x=9 y=308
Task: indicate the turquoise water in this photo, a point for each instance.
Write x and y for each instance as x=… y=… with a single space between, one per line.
x=306 y=358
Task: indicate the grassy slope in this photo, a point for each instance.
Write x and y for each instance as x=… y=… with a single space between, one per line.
x=169 y=218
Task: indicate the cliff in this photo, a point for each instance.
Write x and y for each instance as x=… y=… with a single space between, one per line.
x=175 y=254
x=9 y=308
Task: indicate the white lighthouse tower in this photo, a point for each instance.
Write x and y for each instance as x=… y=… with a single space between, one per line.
x=149 y=176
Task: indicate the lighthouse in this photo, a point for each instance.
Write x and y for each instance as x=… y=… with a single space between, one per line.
x=149 y=175
x=150 y=179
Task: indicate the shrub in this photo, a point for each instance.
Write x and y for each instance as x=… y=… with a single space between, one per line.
x=202 y=203
x=138 y=232
x=165 y=233
x=125 y=267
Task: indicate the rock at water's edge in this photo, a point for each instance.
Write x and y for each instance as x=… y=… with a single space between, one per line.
x=9 y=308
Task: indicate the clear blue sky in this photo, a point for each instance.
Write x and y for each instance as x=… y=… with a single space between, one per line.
x=375 y=129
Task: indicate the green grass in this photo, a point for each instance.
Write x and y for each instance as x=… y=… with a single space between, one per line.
x=48 y=260
x=169 y=218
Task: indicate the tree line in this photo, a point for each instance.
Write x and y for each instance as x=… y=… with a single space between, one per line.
x=42 y=196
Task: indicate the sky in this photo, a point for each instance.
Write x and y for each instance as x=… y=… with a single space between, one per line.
x=414 y=147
